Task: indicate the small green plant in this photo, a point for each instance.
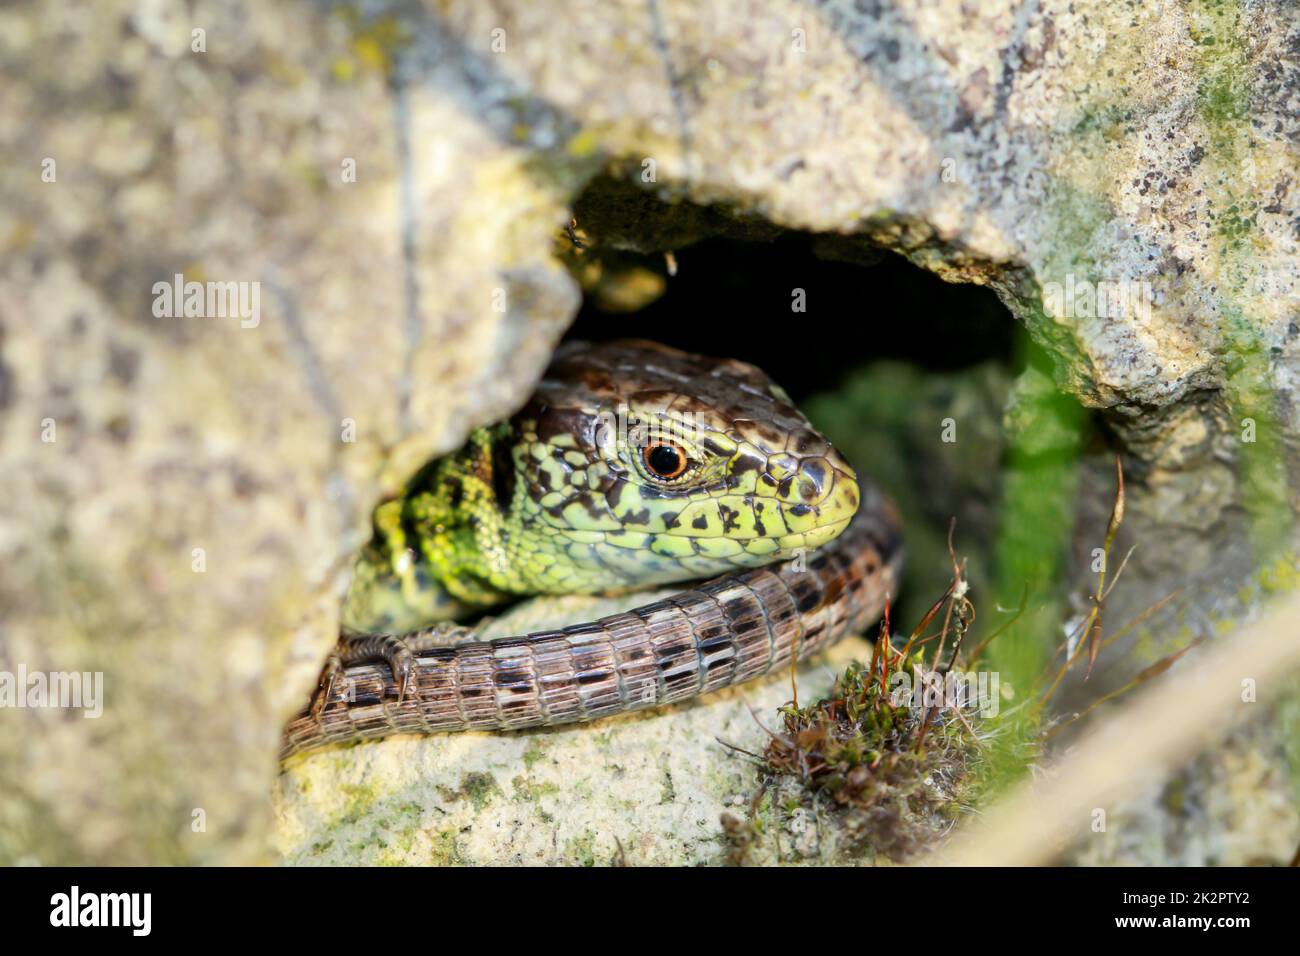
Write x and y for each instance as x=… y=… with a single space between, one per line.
x=889 y=753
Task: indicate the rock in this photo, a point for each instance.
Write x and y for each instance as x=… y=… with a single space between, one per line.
x=1232 y=806
x=188 y=524
x=188 y=529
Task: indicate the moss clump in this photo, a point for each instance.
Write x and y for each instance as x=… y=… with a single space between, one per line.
x=480 y=788
x=891 y=775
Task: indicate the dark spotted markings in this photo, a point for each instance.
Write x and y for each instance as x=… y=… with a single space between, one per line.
x=729 y=518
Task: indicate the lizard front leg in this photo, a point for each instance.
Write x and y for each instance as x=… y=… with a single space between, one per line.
x=398 y=651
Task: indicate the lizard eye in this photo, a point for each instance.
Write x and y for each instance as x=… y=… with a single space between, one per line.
x=664 y=460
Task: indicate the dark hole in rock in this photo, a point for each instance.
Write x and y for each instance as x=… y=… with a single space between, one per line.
x=733 y=298
x=909 y=375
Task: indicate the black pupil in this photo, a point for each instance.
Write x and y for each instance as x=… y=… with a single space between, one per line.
x=664 y=460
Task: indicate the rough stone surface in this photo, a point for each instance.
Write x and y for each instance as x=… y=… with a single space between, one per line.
x=378 y=312
x=1011 y=144
x=1233 y=806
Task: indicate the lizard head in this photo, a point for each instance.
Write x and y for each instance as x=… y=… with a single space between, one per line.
x=638 y=464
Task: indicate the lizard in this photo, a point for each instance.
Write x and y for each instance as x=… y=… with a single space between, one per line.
x=632 y=465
